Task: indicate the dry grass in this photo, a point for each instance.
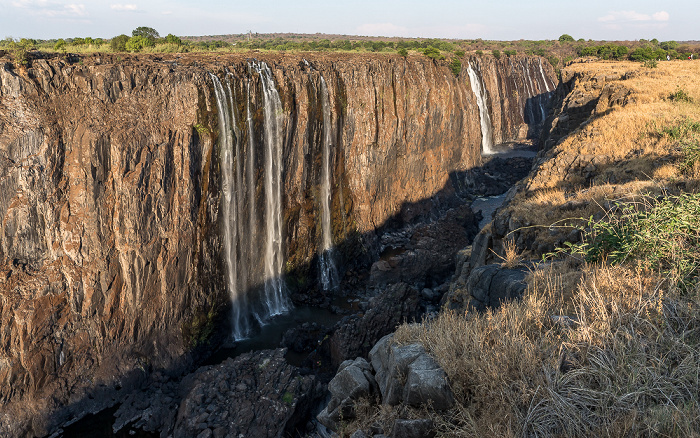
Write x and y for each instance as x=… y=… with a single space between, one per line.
x=624 y=363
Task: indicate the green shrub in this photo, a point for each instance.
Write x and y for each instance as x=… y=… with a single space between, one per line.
x=658 y=234
x=479 y=52
x=20 y=50
x=650 y=63
x=403 y=52
x=680 y=95
x=137 y=43
x=118 y=43
x=496 y=54
x=456 y=66
x=172 y=39
x=433 y=53
x=459 y=53
x=513 y=52
x=60 y=45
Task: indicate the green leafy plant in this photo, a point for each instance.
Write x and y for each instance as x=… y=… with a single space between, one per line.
x=459 y=53
x=496 y=54
x=650 y=63
x=680 y=95
x=456 y=66
x=433 y=53
x=403 y=52
x=118 y=43
x=658 y=234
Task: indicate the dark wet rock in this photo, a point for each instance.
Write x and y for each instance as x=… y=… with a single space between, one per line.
x=355 y=335
x=257 y=394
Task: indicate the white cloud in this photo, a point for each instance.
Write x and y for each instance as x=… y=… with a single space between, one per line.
x=381 y=29
x=617 y=17
x=119 y=7
x=661 y=16
x=51 y=8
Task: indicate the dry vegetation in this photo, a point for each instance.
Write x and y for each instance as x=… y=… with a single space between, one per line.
x=606 y=341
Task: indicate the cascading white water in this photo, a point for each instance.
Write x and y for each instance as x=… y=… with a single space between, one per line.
x=481 y=99
x=329 y=272
x=544 y=78
x=253 y=271
x=275 y=298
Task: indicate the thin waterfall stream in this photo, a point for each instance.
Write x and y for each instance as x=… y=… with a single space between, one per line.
x=329 y=272
x=481 y=100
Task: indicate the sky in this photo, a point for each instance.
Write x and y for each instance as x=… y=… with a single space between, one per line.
x=461 y=19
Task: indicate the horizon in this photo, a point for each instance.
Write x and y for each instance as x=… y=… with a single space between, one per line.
x=444 y=19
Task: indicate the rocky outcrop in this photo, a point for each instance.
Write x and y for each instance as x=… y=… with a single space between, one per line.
x=110 y=229
x=353 y=381
x=486 y=287
x=257 y=394
x=356 y=334
x=407 y=374
x=397 y=375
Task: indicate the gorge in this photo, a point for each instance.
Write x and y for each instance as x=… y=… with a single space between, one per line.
x=147 y=201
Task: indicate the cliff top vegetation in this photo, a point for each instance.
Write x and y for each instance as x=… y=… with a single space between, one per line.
x=559 y=52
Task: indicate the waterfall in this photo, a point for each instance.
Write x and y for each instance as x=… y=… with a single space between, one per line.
x=253 y=256
x=544 y=78
x=329 y=272
x=481 y=98
x=275 y=298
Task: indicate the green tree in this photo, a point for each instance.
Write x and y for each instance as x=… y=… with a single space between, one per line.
x=147 y=32
x=172 y=39
x=60 y=45
x=496 y=54
x=403 y=52
x=565 y=38
x=118 y=43
x=20 y=50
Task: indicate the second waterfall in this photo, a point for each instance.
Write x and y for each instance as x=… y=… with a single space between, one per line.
x=252 y=195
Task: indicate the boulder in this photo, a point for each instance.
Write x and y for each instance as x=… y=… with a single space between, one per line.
x=353 y=381
x=410 y=375
x=421 y=428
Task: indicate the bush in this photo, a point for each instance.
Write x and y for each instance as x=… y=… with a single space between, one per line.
x=403 y=52
x=656 y=234
x=680 y=95
x=433 y=53
x=137 y=43
x=479 y=52
x=496 y=54
x=456 y=66
x=20 y=50
x=459 y=53
x=118 y=43
x=513 y=52
x=60 y=45
x=650 y=63
x=172 y=39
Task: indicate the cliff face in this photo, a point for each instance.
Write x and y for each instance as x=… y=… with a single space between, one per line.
x=111 y=177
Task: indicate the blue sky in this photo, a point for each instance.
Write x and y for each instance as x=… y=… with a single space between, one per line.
x=498 y=20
